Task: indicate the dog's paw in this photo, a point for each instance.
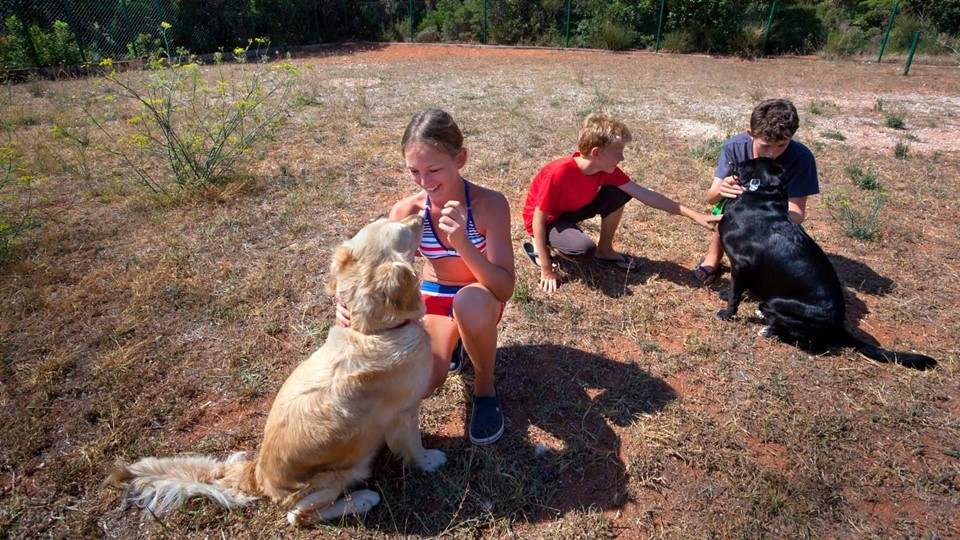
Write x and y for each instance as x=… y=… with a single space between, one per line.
x=237 y=457
x=759 y=315
x=362 y=501
x=724 y=314
x=431 y=460
x=766 y=331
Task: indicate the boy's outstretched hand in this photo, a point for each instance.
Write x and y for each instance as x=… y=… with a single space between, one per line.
x=708 y=221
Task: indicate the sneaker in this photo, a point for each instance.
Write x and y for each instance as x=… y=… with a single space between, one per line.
x=486 y=420
x=456 y=361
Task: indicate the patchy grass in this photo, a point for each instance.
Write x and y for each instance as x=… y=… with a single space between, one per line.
x=132 y=325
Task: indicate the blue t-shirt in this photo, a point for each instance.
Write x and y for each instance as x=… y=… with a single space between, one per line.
x=799 y=166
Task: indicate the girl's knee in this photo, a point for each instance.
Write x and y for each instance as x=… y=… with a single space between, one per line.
x=476 y=305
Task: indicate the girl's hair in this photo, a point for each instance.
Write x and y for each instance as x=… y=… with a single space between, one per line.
x=774 y=120
x=600 y=130
x=435 y=128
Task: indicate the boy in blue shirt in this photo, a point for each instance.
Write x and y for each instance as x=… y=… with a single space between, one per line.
x=772 y=126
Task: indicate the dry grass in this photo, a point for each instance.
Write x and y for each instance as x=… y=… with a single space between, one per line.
x=136 y=326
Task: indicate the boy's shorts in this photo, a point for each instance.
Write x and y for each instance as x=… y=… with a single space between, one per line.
x=439 y=299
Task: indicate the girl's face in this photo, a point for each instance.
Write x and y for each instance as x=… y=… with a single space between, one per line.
x=433 y=170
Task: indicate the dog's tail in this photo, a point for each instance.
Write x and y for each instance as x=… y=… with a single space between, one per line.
x=159 y=485
x=910 y=360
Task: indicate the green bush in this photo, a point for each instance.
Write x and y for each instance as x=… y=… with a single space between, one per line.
x=54 y=47
x=677 y=41
x=616 y=37
x=797 y=29
x=841 y=43
x=864 y=179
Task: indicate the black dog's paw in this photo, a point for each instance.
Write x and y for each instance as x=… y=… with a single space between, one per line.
x=725 y=314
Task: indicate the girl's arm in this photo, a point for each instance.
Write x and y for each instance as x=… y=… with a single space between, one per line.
x=495 y=269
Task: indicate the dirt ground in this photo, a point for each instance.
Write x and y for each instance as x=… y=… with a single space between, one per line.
x=132 y=325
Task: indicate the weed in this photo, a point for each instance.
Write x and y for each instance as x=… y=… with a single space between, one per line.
x=895 y=122
x=17 y=200
x=864 y=179
x=878 y=105
x=901 y=150
x=709 y=150
x=678 y=41
x=200 y=128
x=862 y=224
x=833 y=135
x=616 y=37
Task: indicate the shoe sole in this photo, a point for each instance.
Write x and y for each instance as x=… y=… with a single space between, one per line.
x=489 y=440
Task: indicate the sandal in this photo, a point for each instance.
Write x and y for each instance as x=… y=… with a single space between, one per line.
x=701 y=275
x=625 y=263
x=531 y=253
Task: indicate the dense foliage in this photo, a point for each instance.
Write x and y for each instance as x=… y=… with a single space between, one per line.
x=43 y=32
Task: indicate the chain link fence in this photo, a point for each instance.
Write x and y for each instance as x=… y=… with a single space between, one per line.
x=38 y=33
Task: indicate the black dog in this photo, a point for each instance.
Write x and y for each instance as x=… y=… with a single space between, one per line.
x=800 y=293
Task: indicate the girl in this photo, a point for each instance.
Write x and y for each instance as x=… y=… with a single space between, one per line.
x=468 y=274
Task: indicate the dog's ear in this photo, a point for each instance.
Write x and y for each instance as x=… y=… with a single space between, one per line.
x=399 y=285
x=342 y=257
x=774 y=174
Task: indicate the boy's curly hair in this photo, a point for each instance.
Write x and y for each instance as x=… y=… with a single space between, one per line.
x=774 y=120
x=599 y=130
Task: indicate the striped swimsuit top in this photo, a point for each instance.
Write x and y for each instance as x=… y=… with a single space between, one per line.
x=430 y=245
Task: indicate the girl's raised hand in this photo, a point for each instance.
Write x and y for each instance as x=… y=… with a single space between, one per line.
x=453 y=222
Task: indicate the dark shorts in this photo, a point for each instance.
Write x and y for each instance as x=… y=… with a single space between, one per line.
x=565 y=236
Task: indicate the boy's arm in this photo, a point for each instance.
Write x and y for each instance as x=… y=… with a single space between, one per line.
x=655 y=200
x=548 y=278
x=723 y=188
x=798 y=209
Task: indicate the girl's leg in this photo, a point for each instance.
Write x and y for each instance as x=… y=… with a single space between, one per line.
x=477 y=312
x=443 y=338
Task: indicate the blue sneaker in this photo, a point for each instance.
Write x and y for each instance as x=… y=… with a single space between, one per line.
x=456 y=361
x=486 y=420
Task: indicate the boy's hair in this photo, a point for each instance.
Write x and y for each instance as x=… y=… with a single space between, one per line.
x=435 y=128
x=774 y=120
x=600 y=131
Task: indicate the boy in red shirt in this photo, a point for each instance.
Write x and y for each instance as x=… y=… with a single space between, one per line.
x=589 y=183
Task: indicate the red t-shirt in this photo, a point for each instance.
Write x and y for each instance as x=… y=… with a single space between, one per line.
x=562 y=187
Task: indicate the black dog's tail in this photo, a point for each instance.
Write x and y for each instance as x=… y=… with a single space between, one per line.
x=905 y=359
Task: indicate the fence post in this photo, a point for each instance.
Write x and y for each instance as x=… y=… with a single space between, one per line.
x=156 y=5
x=566 y=42
x=75 y=28
x=766 y=32
x=411 y=20
x=25 y=28
x=883 y=44
x=484 y=22
x=126 y=19
x=913 y=48
x=663 y=5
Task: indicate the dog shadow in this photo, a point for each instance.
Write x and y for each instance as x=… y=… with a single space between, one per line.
x=559 y=451
x=615 y=283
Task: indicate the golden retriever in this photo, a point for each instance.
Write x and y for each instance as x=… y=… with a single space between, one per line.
x=333 y=413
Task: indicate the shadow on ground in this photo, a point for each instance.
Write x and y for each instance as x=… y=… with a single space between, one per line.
x=559 y=451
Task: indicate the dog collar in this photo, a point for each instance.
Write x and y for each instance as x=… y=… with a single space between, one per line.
x=397 y=327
